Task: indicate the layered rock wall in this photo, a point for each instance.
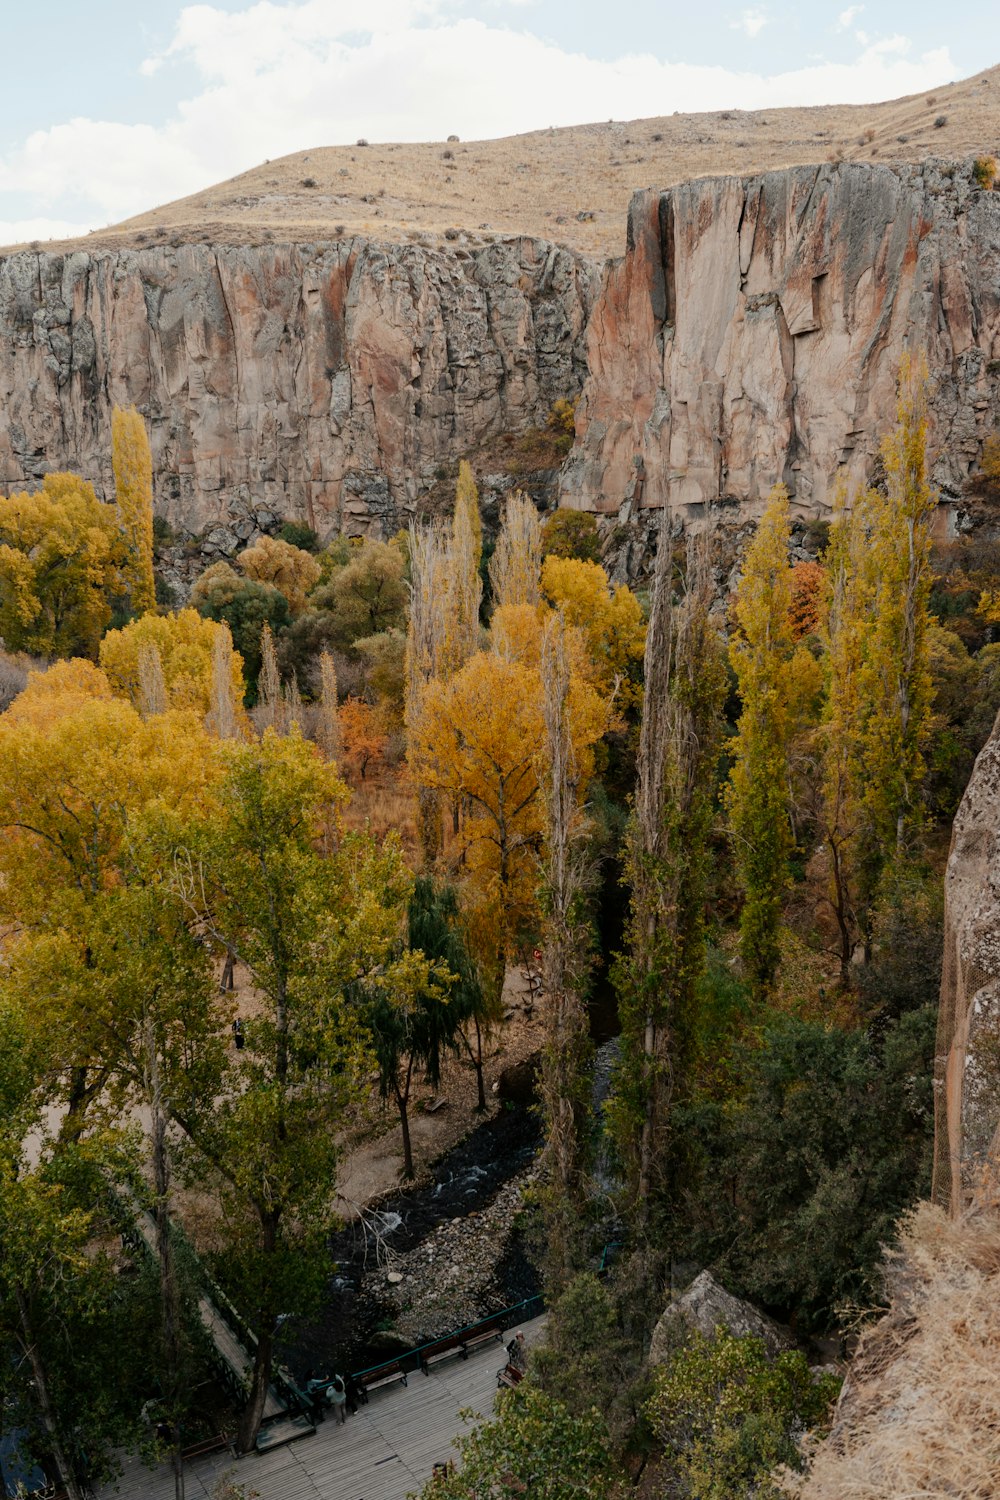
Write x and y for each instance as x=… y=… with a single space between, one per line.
x=753 y=331
x=967 y=1144
x=326 y=383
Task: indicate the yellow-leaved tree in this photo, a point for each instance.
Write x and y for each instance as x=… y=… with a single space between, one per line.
x=776 y=677
x=61 y=561
x=133 y=469
x=290 y=570
x=187 y=647
x=611 y=622
x=481 y=739
x=879 y=700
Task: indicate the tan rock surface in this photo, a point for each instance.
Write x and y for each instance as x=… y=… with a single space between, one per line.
x=754 y=330
x=967 y=1145
x=326 y=382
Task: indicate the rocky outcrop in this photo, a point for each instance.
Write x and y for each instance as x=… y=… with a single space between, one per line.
x=329 y=383
x=967 y=1146
x=703 y=1308
x=753 y=331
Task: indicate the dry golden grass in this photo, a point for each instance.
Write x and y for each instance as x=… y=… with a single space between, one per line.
x=539 y=183
x=383 y=802
x=920 y=1414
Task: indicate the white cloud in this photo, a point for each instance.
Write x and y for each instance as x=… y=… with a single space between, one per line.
x=23 y=231
x=277 y=78
x=751 y=23
x=847 y=17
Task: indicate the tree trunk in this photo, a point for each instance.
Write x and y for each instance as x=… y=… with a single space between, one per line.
x=169 y=1301
x=404 y=1121
x=66 y=1473
x=477 y=1063
x=253 y=1412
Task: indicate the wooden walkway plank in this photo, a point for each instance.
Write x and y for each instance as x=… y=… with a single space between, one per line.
x=385 y=1452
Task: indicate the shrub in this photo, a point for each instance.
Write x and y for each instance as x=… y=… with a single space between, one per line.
x=727 y=1416
x=984 y=172
x=533 y=1447
x=829 y=1141
x=298 y=534
x=572 y=533
x=309 y=182
x=990 y=461
x=940 y=121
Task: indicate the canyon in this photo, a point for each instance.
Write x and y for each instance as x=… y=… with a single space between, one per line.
x=751 y=333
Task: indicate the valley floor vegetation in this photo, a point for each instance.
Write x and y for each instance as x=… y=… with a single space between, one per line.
x=759 y=784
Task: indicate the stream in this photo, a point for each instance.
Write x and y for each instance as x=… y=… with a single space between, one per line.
x=352 y=1329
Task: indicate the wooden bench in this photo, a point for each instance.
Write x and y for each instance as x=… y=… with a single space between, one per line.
x=433 y=1105
x=480 y=1339
x=509 y=1376
x=207 y=1445
x=387 y=1374
x=443 y=1349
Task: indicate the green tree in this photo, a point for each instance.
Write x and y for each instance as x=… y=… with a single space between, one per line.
x=895 y=680
x=796 y=1182
x=419 y=1029
x=533 y=1446
x=768 y=669
x=133 y=470
x=368 y=595
x=667 y=868
x=311 y=912
x=246 y=607
x=727 y=1416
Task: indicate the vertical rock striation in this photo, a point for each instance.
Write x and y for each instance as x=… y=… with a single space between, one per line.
x=967 y=1145
x=753 y=331
x=321 y=382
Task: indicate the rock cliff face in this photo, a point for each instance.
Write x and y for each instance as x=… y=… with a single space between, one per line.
x=967 y=1146
x=753 y=331
x=319 y=382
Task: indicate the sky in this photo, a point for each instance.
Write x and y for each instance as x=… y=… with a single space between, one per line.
x=111 y=107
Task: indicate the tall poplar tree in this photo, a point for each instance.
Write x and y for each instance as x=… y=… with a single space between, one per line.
x=879 y=699
x=516 y=565
x=565 y=952
x=758 y=796
x=895 y=680
x=133 y=470
x=667 y=868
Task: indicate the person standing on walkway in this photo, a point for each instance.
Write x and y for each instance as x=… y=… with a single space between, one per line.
x=337 y=1397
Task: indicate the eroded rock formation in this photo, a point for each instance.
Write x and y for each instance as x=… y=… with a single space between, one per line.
x=322 y=382
x=967 y=1147
x=753 y=332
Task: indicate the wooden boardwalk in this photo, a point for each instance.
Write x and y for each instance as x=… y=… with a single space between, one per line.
x=384 y=1453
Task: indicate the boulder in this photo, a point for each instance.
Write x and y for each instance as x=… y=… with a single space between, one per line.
x=703 y=1308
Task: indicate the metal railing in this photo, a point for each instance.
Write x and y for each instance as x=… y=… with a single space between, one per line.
x=520 y=1312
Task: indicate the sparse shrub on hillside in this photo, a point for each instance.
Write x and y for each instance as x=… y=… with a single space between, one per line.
x=308 y=182
x=990 y=461
x=940 y=121
x=984 y=172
